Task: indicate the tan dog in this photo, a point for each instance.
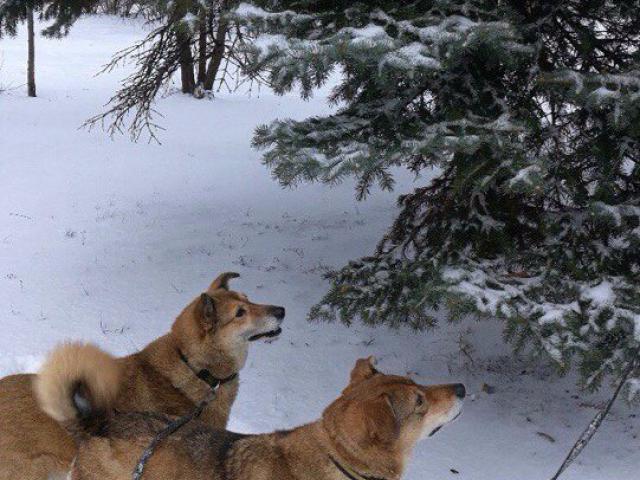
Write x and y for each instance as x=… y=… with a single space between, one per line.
x=368 y=433
x=207 y=344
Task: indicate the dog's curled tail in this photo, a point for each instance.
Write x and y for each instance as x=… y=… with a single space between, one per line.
x=77 y=386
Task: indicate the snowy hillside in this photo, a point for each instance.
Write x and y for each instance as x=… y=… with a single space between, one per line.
x=106 y=241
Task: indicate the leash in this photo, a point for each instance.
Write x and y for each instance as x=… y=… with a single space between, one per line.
x=204 y=375
x=591 y=429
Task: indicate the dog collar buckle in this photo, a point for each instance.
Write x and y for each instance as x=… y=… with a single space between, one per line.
x=205 y=375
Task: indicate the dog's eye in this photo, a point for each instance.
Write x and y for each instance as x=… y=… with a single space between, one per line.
x=240 y=312
x=419 y=401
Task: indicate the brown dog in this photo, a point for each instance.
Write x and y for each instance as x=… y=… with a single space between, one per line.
x=368 y=433
x=206 y=347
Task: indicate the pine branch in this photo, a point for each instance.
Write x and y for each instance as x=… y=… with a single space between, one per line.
x=159 y=56
x=156 y=57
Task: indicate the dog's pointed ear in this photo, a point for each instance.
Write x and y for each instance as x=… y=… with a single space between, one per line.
x=382 y=422
x=363 y=370
x=365 y=423
x=206 y=312
x=222 y=282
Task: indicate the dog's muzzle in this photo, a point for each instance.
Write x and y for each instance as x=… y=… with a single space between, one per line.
x=278 y=313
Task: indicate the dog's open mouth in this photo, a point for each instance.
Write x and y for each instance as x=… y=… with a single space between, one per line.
x=269 y=334
x=437 y=429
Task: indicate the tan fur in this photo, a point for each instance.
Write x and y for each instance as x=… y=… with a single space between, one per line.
x=370 y=430
x=33 y=446
x=72 y=363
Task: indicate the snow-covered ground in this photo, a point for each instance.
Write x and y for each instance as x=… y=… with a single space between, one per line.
x=106 y=240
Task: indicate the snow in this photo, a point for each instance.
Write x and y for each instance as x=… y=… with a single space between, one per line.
x=368 y=33
x=601 y=295
x=191 y=20
x=554 y=313
x=266 y=42
x=445 y=30
x=411 y=55
x=612 y=210
x=524 y=175
x=604 y=92
x=577 y=80
x=247 y=10
x=634 y=388
x=106 y=241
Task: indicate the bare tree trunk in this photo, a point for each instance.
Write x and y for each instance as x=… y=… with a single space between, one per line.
x=217 y=55
x=202 y=47
x=31 y=63
x=186 y=64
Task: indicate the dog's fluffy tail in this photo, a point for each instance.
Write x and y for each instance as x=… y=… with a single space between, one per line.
x=77 y=387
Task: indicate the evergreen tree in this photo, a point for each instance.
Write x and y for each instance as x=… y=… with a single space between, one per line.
x=193 y=37
x=526 y=113
x=62 y=14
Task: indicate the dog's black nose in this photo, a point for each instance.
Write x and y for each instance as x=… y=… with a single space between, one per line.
x=459 y=390
x=278 y=312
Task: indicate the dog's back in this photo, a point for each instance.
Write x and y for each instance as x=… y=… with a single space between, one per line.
x=27 y=432
x=83 y=405
x=194 y=452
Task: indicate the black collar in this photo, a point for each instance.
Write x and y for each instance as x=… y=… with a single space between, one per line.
x=352 y=474
x=206 y=376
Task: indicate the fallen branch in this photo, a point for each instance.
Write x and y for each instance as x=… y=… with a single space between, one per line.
x=591 y=429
